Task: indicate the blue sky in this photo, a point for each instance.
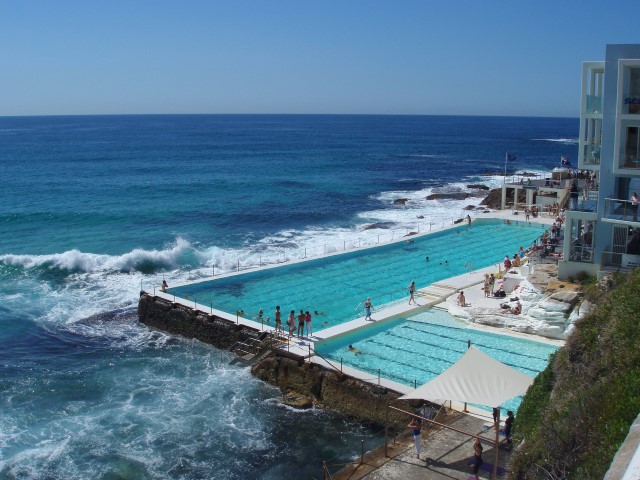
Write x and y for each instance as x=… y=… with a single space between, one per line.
x=328 y=56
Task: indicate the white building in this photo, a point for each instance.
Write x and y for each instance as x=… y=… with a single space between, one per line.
x=603 y=232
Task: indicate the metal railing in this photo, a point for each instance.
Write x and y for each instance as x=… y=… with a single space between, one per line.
x=618 y=209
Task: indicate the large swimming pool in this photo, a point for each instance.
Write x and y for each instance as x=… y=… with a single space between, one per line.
x=416 y=349
x=336 y=286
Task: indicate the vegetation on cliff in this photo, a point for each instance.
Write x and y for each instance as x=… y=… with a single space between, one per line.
x=579 y=410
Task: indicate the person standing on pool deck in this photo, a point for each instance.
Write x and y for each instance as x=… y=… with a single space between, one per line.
x=291 y=322
x=301 y=319
x=412 y=290
x=278 y=320
x=477 y=456
x=367 y=308
x=416 y=427
x=508 y=428
x=308 y=322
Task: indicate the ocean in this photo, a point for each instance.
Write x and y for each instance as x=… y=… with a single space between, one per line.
x=93 y=207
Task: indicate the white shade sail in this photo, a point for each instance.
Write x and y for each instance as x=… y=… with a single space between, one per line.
x=474 y=378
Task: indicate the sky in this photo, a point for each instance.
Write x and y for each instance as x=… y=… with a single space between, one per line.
x=406 y=57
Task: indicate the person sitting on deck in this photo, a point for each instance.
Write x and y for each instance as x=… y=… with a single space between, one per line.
x=516 y=261
x=507 y=263
x=461 y=300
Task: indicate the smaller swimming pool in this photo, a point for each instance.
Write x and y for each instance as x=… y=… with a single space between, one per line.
x=416 y=349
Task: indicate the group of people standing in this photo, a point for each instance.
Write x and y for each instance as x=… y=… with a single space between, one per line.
x=304 y=320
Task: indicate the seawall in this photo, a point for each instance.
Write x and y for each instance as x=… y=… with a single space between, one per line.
x=326 y=387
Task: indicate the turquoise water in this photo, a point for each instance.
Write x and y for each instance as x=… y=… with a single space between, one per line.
x=337 y=286
x=418 y=348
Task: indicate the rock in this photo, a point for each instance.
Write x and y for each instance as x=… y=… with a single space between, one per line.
x=448 y=196
x=469 y=207
x=381 y=225
x=400 y=201
x=458 y=220
x=410 y=234
x=478 y=186
x=297 y=400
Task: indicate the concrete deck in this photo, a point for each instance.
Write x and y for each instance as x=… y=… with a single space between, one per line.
x=446 y=454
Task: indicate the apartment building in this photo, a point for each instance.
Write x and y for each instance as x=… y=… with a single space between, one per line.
x=602 y=232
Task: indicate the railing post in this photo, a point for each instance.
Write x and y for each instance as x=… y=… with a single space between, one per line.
x=211 y=303
x=386 y=429
x=154 y=290
x=378 y=376
x=344 y=245
x=194 y=303
x=361 y=451
x=340 y=364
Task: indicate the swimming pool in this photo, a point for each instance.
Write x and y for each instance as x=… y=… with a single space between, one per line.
x=336 y=286
x=416 y=349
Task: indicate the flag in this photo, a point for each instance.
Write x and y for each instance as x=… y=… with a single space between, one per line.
x=564 y=161
x=511 y=157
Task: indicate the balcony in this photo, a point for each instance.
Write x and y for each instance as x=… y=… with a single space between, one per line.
x=591 y=154
x=593 y=104
x=587 y=201
x=621 y=210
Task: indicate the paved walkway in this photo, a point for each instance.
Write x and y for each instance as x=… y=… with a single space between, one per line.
x=445 y=455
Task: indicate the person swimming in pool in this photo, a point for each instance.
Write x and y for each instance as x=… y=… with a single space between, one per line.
x=354 y=350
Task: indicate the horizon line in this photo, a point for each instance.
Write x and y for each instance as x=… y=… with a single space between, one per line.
x=279 y=114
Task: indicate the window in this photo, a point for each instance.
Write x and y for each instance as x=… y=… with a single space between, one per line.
x=632 y=99
x=631 y=154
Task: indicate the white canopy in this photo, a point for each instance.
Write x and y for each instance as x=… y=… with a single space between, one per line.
x=474 y=378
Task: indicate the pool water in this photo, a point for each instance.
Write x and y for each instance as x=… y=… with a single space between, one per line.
x=336 y=286
x=414 y=350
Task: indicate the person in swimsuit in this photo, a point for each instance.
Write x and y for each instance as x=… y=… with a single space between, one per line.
x=308 y=322
x=278 y=320
x=301 y=319
x=461 y=300
x=291 y=322
x=367 y=308
x=477 y=456
x=354 y=350
x=164 y=287
x=412 y=291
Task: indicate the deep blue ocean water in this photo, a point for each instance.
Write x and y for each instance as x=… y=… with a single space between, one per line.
x=91 y=207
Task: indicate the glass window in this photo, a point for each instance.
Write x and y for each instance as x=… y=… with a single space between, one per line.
x=582 y=236
x=631 y=154
x=632 y=99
